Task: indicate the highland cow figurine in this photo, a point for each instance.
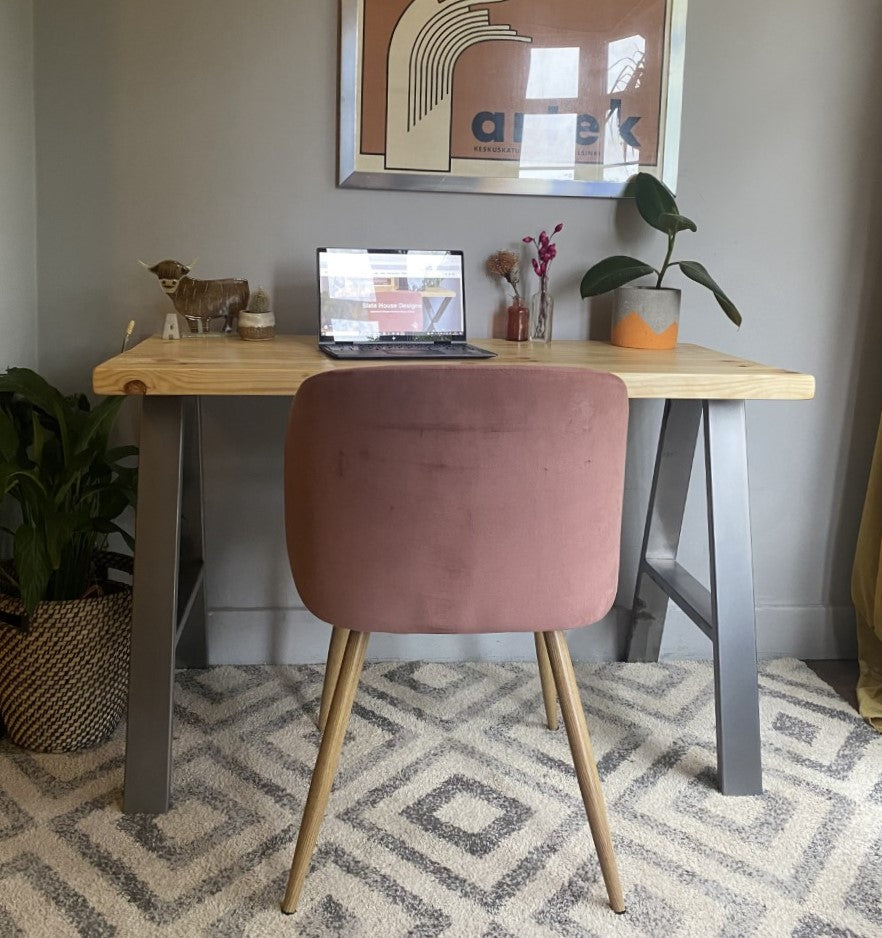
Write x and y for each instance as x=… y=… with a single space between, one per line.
x=200 y=301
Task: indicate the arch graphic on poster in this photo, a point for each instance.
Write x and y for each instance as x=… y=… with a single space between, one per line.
x=425 y=47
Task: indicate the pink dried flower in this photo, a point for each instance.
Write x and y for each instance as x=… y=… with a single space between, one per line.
x=546 y=250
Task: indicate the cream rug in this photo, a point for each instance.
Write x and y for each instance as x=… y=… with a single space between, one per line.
x=456 y=813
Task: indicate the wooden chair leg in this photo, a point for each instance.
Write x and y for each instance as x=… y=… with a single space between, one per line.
x=586 y=767
x=549 y=694
x=326 y=765
x=332 y=672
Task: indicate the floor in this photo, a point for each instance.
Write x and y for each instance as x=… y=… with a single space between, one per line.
x=840 y=675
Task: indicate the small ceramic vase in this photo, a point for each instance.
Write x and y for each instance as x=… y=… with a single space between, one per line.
x=256 y=326
x=517 y=327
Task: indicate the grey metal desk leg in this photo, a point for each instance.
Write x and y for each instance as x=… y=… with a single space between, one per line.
x=664 y=519
x=732 y=599
x=154 y=619
x=725 y=612
x=192 y=649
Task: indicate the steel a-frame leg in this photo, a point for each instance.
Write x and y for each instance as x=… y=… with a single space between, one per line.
x=168 y=592
x=725 y=612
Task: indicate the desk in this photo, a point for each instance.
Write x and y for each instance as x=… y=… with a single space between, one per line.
x=700 y=386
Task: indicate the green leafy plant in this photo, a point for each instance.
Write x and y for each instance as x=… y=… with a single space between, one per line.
x=66 y=483
x=658 y=208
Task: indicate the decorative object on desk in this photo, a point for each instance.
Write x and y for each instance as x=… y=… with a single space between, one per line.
x=64 y=624
x=505 y=264
x=170 y=329
x=130 y=328
x=201 y=301
x=542 y=302
x=648 y=316
x=258 y=322
x=517 y=322
x=645 y=317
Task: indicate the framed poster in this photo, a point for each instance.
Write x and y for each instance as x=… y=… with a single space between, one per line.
x=541 y=97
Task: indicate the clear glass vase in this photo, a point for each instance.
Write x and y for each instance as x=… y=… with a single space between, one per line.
x=541 y=316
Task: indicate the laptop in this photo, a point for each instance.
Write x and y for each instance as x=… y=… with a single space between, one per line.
x=392 y=303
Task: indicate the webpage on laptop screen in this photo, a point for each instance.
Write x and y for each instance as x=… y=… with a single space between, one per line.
x=367 y=295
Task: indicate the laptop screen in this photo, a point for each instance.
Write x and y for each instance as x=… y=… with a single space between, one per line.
x=390 y=295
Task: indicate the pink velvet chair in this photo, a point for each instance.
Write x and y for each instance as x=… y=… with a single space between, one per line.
x=422 y=487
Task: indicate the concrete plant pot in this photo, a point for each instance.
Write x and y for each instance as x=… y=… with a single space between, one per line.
x=645 y=317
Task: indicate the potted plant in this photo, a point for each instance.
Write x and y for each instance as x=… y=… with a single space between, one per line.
x=648 y=316
x=258 y=321
x=64 y=623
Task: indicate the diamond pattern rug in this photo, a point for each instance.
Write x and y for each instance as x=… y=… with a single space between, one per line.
x=456 y=813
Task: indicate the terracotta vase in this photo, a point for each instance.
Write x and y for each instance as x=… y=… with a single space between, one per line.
x=517 y=324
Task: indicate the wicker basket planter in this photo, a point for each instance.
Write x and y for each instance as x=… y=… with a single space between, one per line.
x=63 y=684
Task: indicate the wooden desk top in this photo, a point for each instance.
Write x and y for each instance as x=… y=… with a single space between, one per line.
x=217 y=365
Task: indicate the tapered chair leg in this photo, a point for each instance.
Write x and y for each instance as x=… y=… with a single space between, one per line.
x=326 y=765
x=586 y=767
x=332 y=671
x=549 y=694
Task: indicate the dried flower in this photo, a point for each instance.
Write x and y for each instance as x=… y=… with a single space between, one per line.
x=546 y=251
x=506 y=264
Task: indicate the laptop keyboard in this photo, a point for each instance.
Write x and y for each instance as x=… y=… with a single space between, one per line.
x=406 y=350
x=397 y=348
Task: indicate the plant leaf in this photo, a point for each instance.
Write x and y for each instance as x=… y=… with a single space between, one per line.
x=653 y=199
x=59 y=530
x=613 y=272
x=108 y=527
x=31 y=485
x=31 y=566
x=695 y=271
x=673 y=223
x=38 y=393
x=39 y=439
x=8 y=437
x=99 y=422
x=28 y=384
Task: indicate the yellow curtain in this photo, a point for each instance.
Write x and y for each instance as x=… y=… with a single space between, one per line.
x=866 y=592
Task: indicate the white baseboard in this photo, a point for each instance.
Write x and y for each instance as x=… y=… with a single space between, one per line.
x=806 y=632
x=293 y=636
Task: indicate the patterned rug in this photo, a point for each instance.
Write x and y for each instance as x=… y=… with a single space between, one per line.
x=456 y=813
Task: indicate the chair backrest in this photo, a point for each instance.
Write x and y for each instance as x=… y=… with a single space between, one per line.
x=456 y=498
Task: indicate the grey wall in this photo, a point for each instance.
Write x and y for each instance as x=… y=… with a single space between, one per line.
x=207 y=128
x=18 y=248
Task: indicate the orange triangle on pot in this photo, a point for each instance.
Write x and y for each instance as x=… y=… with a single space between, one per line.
x=634 y=332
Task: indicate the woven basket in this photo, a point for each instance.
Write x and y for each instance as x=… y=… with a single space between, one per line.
x=63 y=685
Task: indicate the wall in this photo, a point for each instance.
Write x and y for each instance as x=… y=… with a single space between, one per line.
x=208 y=128
x=18 y=249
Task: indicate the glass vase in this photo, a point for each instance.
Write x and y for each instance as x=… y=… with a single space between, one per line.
x=541 y=316
x=517 y=325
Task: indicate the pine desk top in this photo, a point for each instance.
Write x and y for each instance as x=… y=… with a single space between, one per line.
x=227 y=365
